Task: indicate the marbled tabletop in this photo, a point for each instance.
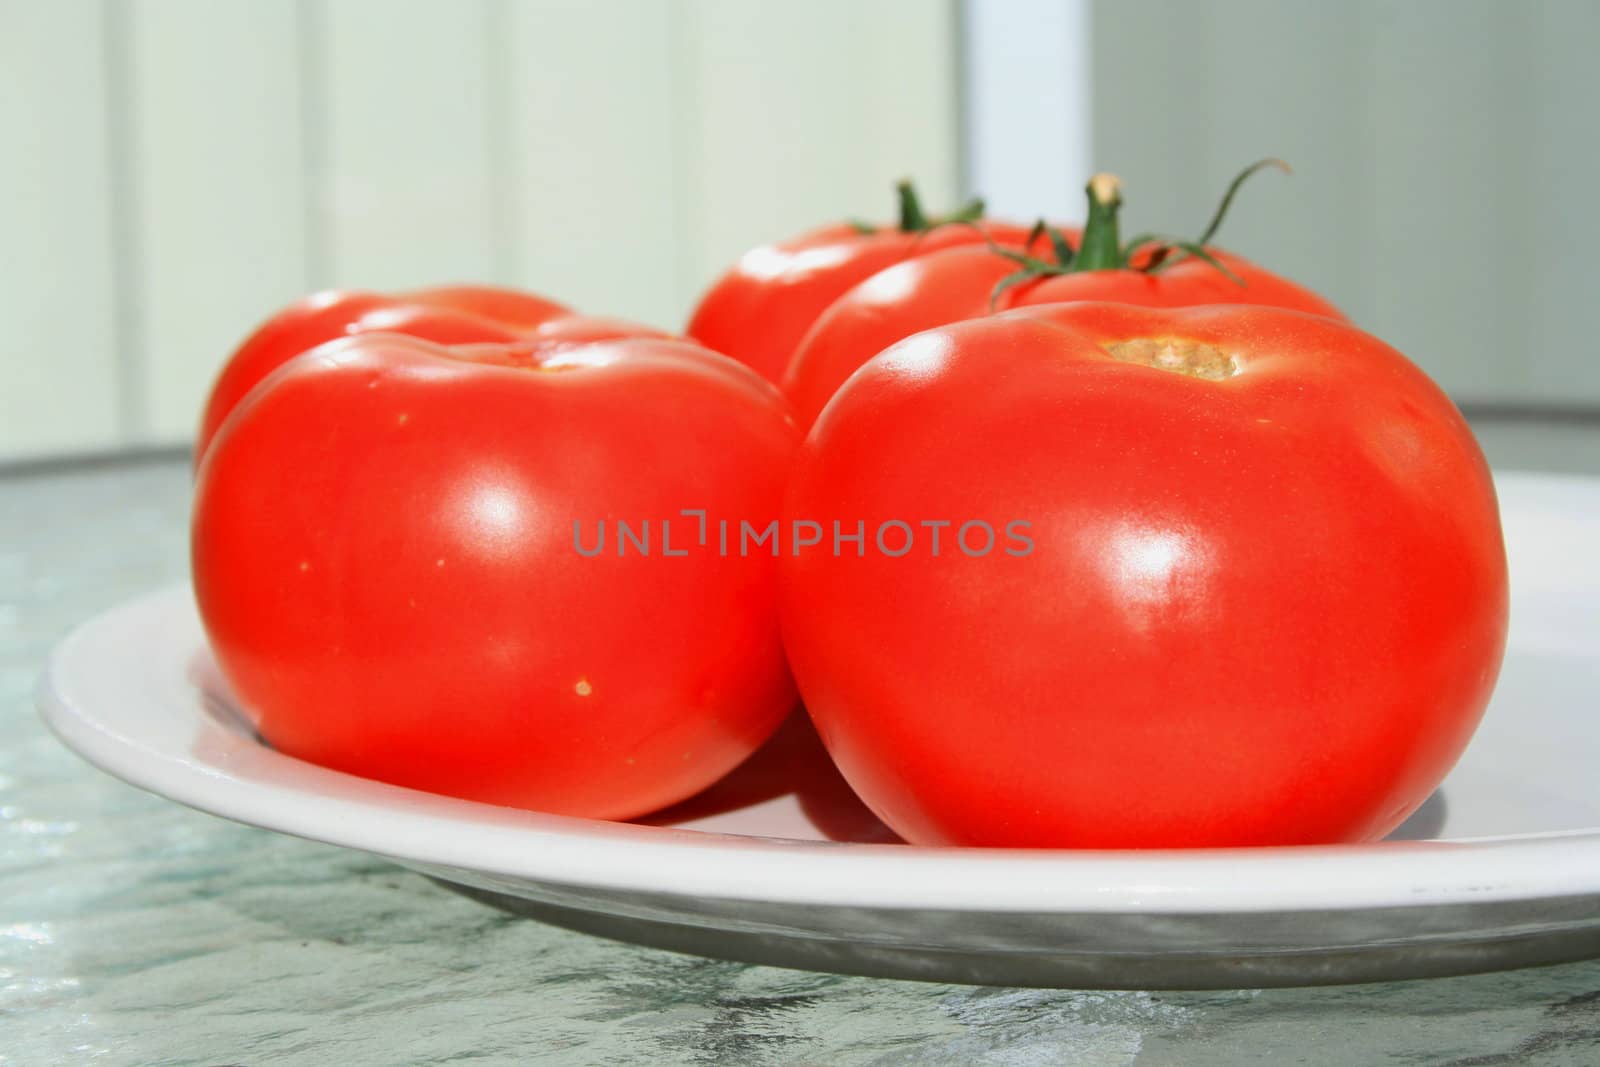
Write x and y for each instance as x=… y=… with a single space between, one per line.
x=134 y=931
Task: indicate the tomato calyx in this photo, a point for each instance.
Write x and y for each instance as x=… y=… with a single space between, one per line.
x=913 y=219
x=1101 y=246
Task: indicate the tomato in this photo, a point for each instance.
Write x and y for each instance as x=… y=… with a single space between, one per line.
x=393 y=556
x=966 y=282
x=1241 y=580
x=759 y=309
x=458 y=314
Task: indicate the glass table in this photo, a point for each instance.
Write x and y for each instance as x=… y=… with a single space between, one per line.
x=135 y=931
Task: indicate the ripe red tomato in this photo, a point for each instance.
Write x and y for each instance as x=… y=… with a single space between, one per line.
x=970 y=281
x=1241 y=580
x=758 y=311
x=460 y=314
x=386 y=557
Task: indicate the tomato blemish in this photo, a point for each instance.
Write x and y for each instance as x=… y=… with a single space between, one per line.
x=1193 y=358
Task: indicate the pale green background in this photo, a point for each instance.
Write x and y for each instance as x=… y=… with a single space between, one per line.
x=172 y=170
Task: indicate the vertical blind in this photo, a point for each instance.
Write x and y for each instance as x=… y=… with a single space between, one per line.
x=175 y=169
x=171 y=170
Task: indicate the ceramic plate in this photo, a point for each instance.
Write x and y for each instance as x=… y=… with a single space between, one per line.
x=779 y=864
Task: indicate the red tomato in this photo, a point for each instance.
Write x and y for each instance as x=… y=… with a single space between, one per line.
x=460 y=314
x=1242 y=580
x=758 y=311
x=386 y=559
x=965 y=282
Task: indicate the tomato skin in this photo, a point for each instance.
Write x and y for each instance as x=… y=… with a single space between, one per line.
x=959 y=283
x=458 y=314
x=512 y=308
x=1266 y=610
x=1189 y=283
x=895 y=303
x=758 y=311
x=384 y=561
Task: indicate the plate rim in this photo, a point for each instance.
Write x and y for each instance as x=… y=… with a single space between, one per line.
x=335 y=808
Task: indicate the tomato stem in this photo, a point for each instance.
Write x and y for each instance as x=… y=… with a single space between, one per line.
x=912 y=220
x=1233 y=187
x=1100 y=247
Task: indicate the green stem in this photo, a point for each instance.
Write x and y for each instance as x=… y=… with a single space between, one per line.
x=1100 y=248
x=1227 y=198
x=912 y=220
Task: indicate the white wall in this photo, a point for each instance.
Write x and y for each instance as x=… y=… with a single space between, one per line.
x=173 y=170
x=1027 y=72
x=61 y=383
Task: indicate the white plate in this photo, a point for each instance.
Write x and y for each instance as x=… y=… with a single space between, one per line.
x=1510 y=877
